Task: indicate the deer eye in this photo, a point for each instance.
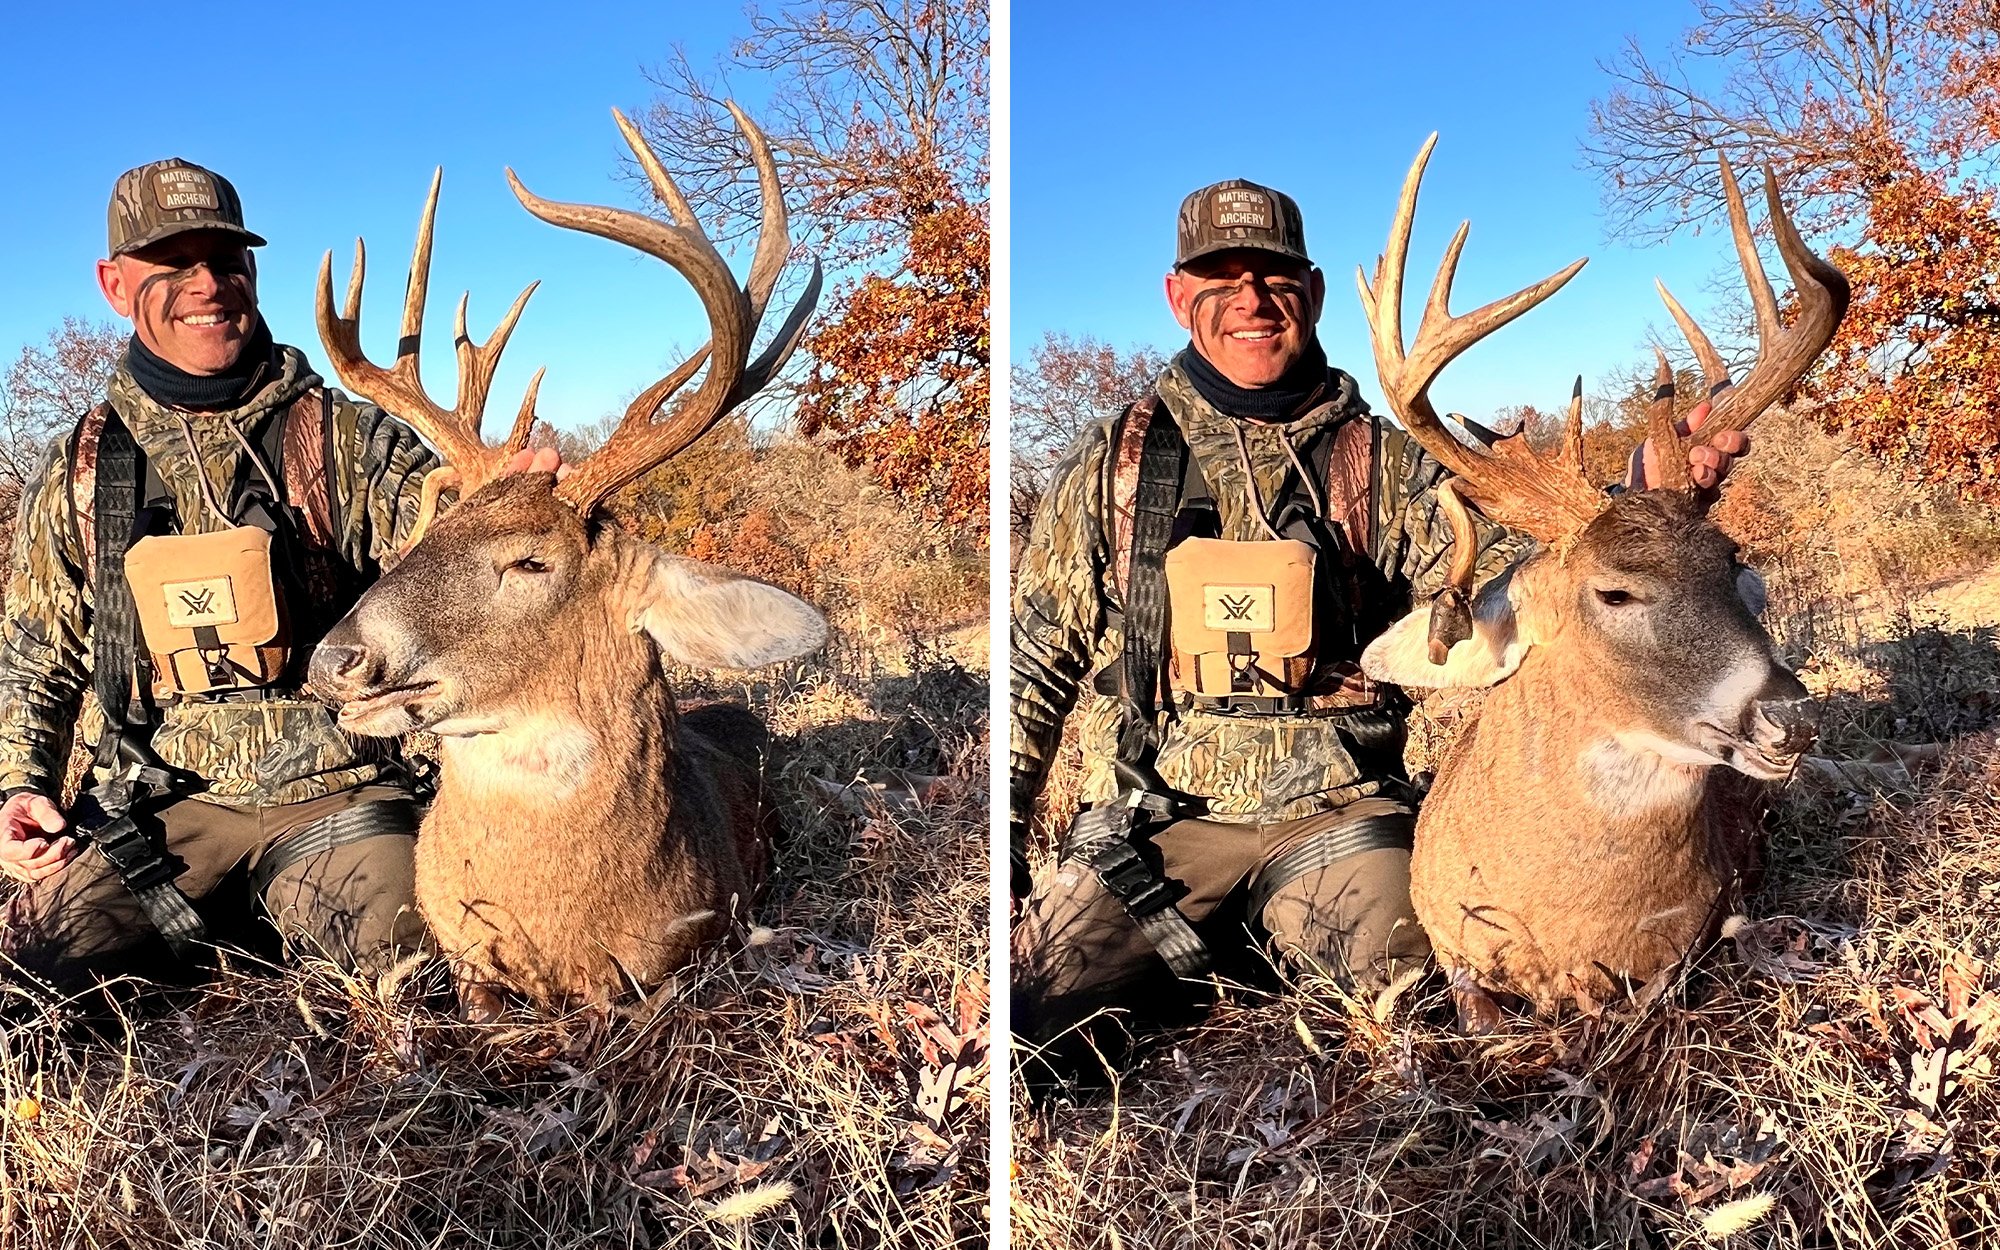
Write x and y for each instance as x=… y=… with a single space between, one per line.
x=1612 y=598
x=527 y=564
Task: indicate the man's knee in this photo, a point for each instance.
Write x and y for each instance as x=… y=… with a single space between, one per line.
x=1352 y=919
x=355 y=903
x=1086 y=982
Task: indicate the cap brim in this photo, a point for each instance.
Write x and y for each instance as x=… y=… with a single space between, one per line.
x=1244 y=245
x=250 y=238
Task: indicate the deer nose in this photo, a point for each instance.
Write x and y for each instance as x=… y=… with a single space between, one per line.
x=1787 y=716
x=337 y=672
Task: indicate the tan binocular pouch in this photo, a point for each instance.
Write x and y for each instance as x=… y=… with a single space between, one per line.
x=1242 y=616
x=209 y=609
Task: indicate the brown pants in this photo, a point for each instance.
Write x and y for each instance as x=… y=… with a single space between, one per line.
x=1077 y=953
x=355 y=903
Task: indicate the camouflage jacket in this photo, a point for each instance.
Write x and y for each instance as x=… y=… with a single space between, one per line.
x=286 y=749
x=1067 y=609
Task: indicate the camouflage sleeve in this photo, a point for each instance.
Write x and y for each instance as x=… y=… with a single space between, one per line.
x=383 y=465
x=1059 y=614
x=44 y=627
x=1416 y=543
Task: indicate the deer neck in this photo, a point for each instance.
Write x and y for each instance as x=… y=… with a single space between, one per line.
x=1561 y=719
x=593 y=736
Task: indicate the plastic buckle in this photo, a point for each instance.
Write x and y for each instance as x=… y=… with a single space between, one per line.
x=140 y=863
x=1127 y=875
x=217 y=664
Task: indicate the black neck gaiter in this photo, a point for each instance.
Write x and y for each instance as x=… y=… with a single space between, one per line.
x=1301 y=385
x=174 y=387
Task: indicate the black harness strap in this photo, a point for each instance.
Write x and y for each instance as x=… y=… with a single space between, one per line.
x=1110 y=837
x=133 y=775
x=381 y=818
x=115 y=619
x=1154 y=505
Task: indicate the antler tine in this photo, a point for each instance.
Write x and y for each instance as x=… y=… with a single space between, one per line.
x=774 y=232
x=1714 y=370
x=1512 y=484
x=1783 y=355
x=1668 y=446
x=524 y=420
x=477 y=362
x=773 y=358
x=416 y=292
x=1572 y=444
x=400 y=389
x=1761 y=295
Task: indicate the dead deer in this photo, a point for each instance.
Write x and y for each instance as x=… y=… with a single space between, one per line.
x=1577 y=840
x=585 y=837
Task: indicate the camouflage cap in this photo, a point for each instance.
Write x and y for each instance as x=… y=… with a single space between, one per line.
x=167 y=197
x=1236 y=214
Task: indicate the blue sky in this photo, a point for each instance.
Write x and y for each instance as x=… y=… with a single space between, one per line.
x=329 y=120
x=1121 y=109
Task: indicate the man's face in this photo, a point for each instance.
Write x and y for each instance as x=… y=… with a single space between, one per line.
x=1250 y=312
x=191 y=297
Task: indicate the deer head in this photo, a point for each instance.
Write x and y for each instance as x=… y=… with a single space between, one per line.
x=495 y=604
x=1640 y=598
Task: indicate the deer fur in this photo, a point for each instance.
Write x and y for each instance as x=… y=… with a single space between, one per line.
x=586 y=836
x=1577 y=839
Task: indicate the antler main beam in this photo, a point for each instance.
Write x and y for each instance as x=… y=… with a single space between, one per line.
x=1511 y=484
x=639 y=442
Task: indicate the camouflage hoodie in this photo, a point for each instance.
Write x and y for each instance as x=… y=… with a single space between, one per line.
x=283 y=750
x=1067 y=608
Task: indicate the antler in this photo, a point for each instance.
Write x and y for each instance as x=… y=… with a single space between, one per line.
x=1511 y=484
x=400 y=390
x=1783 y=355
x=733 y=313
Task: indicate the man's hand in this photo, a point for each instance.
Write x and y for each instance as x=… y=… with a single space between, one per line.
x=541 y=460
x=27 y=853
x=1706 y=465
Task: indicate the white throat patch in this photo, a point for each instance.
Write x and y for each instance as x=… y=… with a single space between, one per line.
x=548 y=756
x=1632 y=774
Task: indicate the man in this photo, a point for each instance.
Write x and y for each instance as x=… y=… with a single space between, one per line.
x=223 y=787
x=1231 y=794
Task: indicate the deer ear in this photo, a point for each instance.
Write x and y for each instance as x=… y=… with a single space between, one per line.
x=709 y=617
x=1500 y=640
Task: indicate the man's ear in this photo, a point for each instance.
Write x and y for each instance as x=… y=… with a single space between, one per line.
x=1176 y=290
x=708 y=617
x=1506 y=622
x=111 y=281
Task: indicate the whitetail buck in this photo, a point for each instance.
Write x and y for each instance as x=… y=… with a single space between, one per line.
x=1576 y=840
x=586 y=837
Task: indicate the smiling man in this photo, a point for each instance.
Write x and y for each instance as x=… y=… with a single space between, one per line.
x=1204 y=572
x=178 y=554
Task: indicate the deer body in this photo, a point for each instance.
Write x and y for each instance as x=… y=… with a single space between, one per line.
x=593 y=776
x=586 y=837
x=1626 y=856
x=1584 y=833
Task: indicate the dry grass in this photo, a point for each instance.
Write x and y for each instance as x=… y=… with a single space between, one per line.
x=822 y=1085
x=1826 y=1079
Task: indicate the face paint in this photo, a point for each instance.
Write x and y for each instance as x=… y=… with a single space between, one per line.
x=171 y=291
x=1279 y=309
